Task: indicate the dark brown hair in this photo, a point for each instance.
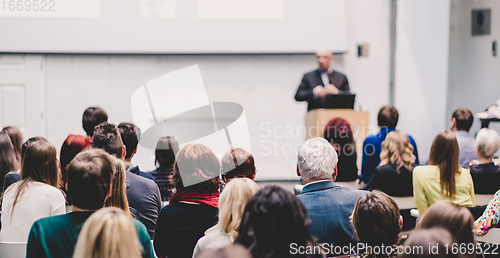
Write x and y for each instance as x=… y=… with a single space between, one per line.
x=118 y=197
x=108 y=138
x=230 y=161
x=420 y=242
x=17 y=140
x=40 y=164
x=388 y=117
x=456 y=219
x=92 y=117
x=8 y=161
x=200 y=169
x=165 y=152
x=89 y=178
x=463 y=118
x=376 y=219
x=444 y=154
x=130 y=134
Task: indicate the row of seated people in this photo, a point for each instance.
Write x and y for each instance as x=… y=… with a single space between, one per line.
x=390 y=156
x=270 y=222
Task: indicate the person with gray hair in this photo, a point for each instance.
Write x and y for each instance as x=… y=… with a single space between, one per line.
x=485 y=174
x=328 y=205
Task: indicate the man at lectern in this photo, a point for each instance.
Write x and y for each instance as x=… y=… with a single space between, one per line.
x=323 y=81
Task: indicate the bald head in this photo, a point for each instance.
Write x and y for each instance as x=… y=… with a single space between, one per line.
x=325 y=57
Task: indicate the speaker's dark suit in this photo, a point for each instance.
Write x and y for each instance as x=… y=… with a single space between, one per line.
x=313 y=79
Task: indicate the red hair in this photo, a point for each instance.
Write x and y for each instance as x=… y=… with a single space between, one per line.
x=73 y=145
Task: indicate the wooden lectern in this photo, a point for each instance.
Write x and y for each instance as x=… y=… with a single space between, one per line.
x=317 y=119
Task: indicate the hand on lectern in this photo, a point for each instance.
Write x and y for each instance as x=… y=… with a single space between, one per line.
x=331 y=89
x=320 y=91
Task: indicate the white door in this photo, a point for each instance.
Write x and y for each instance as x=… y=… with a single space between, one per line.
x=22 y=95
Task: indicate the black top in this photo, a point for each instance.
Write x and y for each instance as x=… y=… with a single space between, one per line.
x=387 y=179
x=10 y=178
x=486 y=178
x=313 y=79
x=347 y=167
x=162 y=177
x=179 y=227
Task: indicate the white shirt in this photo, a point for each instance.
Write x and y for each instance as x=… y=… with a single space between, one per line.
x=38 y=201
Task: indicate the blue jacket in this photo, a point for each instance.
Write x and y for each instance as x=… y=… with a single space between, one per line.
x=372 y=146
x=329 y=206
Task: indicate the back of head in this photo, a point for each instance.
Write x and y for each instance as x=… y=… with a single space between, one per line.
x=388 y=117
x=463 y=118
x=108 y=233
x=92 y=117
x=317 y=160
x=8 y=161
x=456 y=219
x=130 y=134
x=274 y=219
x=397 y=150
x=376 y=219
x=230 y=161
x=445 y=154
x=107 y=137
x=338 y=131
x=28 y=142
x=166 y=150
x=196 y=168
x=232 y=251
x=73 y=145
x=434 y=242
x=487 y=142
x=232 y=203
x=89 y=178
x=40 y=163
x=17 y=139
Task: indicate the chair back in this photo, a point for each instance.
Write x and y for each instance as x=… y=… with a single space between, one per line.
x=492 y=237
x=483 y=199
x=13 y=249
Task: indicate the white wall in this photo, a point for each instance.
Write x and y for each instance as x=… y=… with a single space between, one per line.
x=474 y=74
x=263 y=84
x=421 y=69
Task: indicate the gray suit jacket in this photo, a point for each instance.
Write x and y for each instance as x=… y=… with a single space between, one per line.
x=329 y=207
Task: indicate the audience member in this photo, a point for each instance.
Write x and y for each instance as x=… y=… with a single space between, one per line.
x=377 y=222
x=238 y=163
x=443 y=178
x=118 y=198
x=131 y=134
x=108 y=233
x=72 y=145
x=8 y=161
x=17 y=140
x=486 y=175
x=194 y=207
x=454 y=218
x=461 y=122
x=274 y=222
x=339 y=133
x=231 y=206
x=92 y=117
x=15 y=176
x=232 y=251
x=430 y=243
x=89 y=183
x=36 y=196
x=166 y=150
x=394 y=175
x=143 y=194
x=328 y=204
x=491 y=216
x=388 y=117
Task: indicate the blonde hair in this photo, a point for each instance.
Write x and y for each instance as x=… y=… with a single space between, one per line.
x=232 y=204
x=108 y=233
x=397 y=150
x=118 y=197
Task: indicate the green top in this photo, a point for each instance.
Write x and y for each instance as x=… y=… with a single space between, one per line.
x=56 y=236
